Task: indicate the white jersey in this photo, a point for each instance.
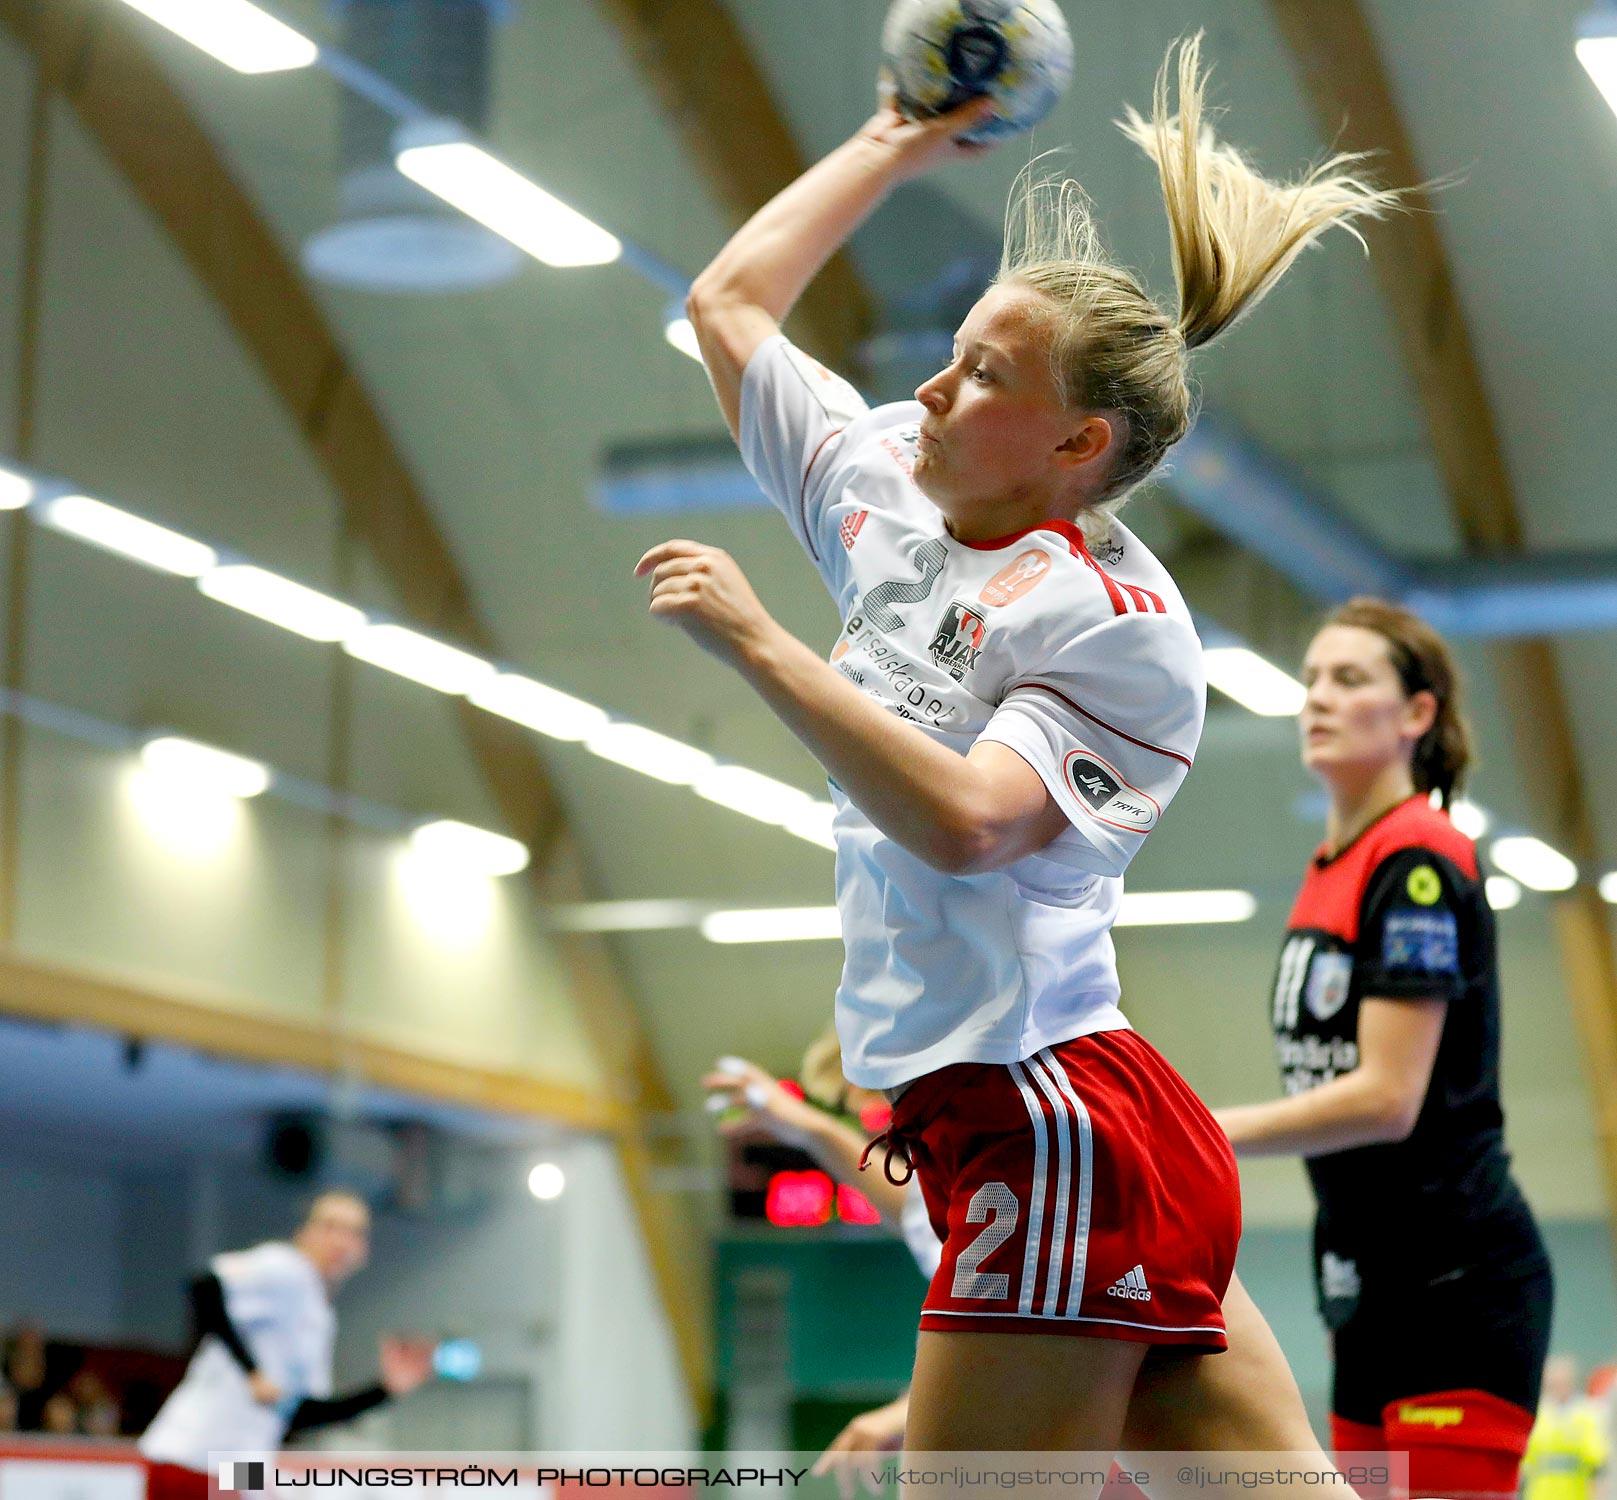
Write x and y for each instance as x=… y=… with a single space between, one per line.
x=277 y=1302
x=1088 y=667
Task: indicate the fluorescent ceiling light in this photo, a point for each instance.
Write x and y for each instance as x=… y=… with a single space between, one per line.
x=531 y=703
x=290 y=605
x=186 y=818
x=15 y=491
x=466 y=848
x=682 y=336
x=1254 y=683
x=650 y=753
x=1502 y=892
x=1470 y=819
x=237 y=33
x=193 y=764
x=1177 y=908
x=751 y=794
x=781 y=924
x=468 y=178
x=625 y=916
x=418 y=657
x=1608 y=887
x=1534 y=863
x=1598 y=53
x=129 y=536
x=813 y=824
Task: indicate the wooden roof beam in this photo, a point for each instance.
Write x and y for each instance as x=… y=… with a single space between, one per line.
x=696 y=61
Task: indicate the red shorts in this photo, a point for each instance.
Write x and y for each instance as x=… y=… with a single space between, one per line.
x=1086 y=1191
x=1460 y=1443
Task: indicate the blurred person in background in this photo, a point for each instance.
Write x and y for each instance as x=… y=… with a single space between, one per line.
x=1569 y=1448
x=1429 y=1267
x=757 y=1105
x=97 y=1408
x=262 y=1370
x=59 y=1416
x=24 y=1369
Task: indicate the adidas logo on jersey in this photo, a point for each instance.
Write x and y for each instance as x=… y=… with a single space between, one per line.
x=1131 y=1286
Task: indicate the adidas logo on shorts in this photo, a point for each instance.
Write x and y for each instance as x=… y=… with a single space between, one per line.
x=1131 y=1286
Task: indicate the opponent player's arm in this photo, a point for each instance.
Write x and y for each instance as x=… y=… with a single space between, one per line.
x=315 y=1411
x=963 y=815
x=833 y=1143
x=406 y=1363
x=838 y=1147
x=746 y=292
x=210 y=1316
x=1378 y=1102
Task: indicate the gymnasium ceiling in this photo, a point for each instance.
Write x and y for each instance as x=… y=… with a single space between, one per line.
x=502 y=401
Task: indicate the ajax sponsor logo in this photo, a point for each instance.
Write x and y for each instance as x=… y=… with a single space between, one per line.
x=958 y=641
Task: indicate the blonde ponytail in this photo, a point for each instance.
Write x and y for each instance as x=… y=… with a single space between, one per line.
x=1112 y=347
x=1235 y=232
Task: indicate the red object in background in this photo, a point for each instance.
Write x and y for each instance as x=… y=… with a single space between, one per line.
x=1119 y=1488
x=854 y=1208
x=1601 y=1379
x=876 y=1116
x=792 y=1087
x=798 y=1200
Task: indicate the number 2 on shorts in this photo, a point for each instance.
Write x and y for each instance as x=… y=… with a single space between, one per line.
x=996 y=1199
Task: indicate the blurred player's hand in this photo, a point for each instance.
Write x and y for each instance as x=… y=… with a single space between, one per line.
x=265 y=1391
x=702 y=590
x=755 y=1104
x=405 y=1363
x=878 y=1431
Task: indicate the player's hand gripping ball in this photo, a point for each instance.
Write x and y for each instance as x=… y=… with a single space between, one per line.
x=940 y=53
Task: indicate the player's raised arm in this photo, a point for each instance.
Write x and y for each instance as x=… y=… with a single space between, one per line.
x=754 y=281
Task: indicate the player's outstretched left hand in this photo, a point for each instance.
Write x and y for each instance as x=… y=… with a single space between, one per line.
x=702 y=590
x=405 y=1363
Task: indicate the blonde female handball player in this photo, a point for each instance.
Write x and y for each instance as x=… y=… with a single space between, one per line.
x=1014 y=697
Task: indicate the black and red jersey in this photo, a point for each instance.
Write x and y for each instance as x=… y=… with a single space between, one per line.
x=1401 y=914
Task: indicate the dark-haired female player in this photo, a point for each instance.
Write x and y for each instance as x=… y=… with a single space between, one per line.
x=1430 y=1270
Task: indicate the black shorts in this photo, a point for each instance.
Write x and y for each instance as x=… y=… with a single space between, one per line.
x=1476 y=1332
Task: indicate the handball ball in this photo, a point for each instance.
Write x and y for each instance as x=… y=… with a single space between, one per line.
x=941 y=53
